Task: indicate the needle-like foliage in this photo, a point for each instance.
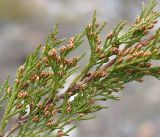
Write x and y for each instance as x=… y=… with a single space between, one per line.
x=35 y=98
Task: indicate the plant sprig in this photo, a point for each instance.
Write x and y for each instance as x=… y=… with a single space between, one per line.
x=36 y=99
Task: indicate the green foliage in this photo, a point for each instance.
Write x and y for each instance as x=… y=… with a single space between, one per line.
x=35 y=97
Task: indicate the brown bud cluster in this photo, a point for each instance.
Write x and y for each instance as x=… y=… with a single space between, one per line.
x=68 y=108
x=60 y=133
x=91 y=102
x=146 y=27
x=146 y=32
x=44 y=74
x=46 y=62
x=125 y=52
x=98 y=49
x=49 y=110
x=89 y=26
x=21 y=69
x=17 y=81
x=26 y=84
x=98 y=41
x=47 y=113
x=54 y=112
x=62 y=49
x=110 y=35
x=137 y=47
x=58 y=59
x=35 y=118
x=40 y=106
x=9 y=90
x=22 y=94
x=114 y=50
x=18 y=105
x=52 y=53
x=60 y=73
x=31 y=104
x=129 y=58
x=102 y=56
x=100 y=52
x=70 y=43
x=138 y=19
x=137 y=54
x=148 y=64
x=151 y=27
x=49 y=123
x=155 y=22
x=96 y=25
x=71 y=62
x=147 y=53
x=34 y=78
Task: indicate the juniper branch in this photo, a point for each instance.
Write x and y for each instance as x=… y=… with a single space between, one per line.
x=35 y=97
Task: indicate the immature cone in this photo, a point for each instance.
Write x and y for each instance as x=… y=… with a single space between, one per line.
x=70 y=46
x=114 y=50
x=146 y=32
x=54 y=112
x=60 y=133
x=18 y=105
x=149 y=64
x=40 y=106
x=89 y=26
x=9 y=90
x=110 y=35
x=60 y=74
x=68 y=109
x=35 y=118
x=21 y=69
x=22 y=94
x=53 y=53
x=49 y=123
x=46 y=62
x=138 y=19
x=31 y=104
x=16 y=81
x=98 y=49
x=44 y=74
x=58 y=59
x=71 y=40
x=98 y=41
x=62 y=49
x=71 y=43
x=156 y=21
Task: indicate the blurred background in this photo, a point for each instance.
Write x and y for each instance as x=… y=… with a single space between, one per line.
x=24 y=24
